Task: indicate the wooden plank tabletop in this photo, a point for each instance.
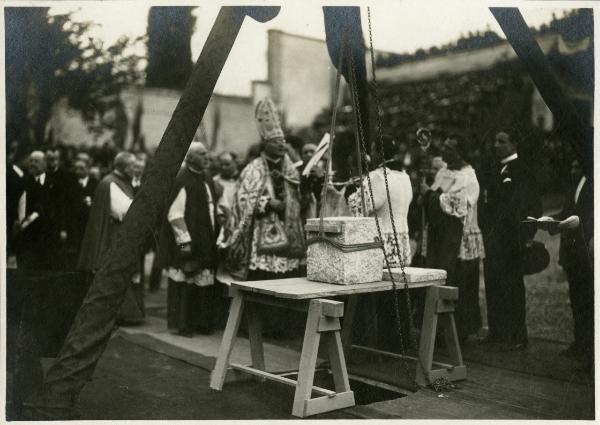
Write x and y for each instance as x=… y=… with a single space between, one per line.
x=301 y=288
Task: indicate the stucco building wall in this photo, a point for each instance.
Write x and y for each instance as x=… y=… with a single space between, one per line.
x=301 y=77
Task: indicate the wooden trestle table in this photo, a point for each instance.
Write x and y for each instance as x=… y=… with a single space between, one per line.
x=323 y=321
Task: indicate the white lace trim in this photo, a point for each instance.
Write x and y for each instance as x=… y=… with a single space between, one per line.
x=471 y=245
x=392 y=253
x=204 y=277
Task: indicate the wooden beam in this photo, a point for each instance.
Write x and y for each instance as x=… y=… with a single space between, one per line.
x=278 y=378
x=95 y=320
x=308 y=359
x=332 y=308
x=337 y=361
x=257 y=352
x=329 y=324
x=378 y=384
x=296 y=305
x=444 y=306
x=448 y=325
x=449 y=293
x=428 y=334
x=327 y=404
x=217 y=377
x=399 y=356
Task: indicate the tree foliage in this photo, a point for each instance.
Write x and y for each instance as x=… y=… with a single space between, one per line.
x=49 y=57
x=170 y=30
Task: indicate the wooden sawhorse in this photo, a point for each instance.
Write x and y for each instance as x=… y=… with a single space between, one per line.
x=323 y=320
x=438 y=313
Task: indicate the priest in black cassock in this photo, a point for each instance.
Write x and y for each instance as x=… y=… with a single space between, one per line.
x=188 y=247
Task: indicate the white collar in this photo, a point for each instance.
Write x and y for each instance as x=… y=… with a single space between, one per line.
x=18 y=170
x=509 y=159
x=579 y=188
x=41 y=178
x=84 y=180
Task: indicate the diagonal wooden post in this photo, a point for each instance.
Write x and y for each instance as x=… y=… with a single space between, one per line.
x=96 y=318
x=570 y=126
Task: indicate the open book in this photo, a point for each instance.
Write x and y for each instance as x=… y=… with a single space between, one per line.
x=571 y=222
x=537 y=220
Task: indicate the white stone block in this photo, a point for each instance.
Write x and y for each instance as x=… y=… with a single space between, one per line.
x=415 y=275
x=326 y=263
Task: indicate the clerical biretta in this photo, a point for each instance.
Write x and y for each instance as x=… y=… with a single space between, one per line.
x=267 y=237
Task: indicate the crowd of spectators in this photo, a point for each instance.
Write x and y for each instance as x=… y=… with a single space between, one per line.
x=257 y=226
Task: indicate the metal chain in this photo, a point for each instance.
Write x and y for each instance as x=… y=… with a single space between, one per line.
x=379 y=232
x=378 y=111
x=381 y=149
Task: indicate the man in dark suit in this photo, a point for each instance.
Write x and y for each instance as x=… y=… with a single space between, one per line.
x=511 y=197
x=81 y=201
x=60 y=187
x=34 y=225
x=576 y=258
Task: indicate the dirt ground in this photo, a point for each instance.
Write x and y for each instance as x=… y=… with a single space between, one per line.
x=134 y=382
